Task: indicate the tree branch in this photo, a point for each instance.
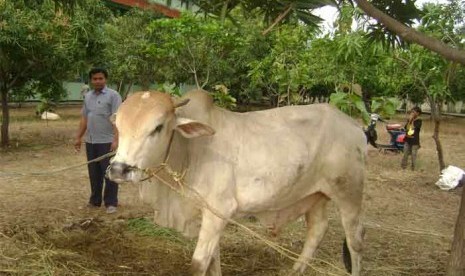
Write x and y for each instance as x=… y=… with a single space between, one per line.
x=16 y=78
x=194 y=67
x=206 y=80
x=279 y=19
x=412 y=35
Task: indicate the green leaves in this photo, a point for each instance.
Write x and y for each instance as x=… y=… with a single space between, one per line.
x=385 y=106
x=170 y=88
x=197 y=50
x=425 y=75
x=222 y=97
x=354 y=106
x=403 y=11
x=127 y=49
x=269 y=11
x=351 y=104
x=287 y=66
x=439 y=92
x=350 y=47
x=42 y=44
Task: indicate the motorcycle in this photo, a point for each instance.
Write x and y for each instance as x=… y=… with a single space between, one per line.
x=396 y=132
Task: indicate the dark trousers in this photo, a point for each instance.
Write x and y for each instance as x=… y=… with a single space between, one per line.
x=409 y=150
x=97 y=172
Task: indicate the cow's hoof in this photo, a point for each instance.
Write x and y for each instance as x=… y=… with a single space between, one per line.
x=298 y=268
x=197 y=269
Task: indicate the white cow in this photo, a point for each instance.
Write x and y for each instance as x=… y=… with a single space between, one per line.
x=277 y=165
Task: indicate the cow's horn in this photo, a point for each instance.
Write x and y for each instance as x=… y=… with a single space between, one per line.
x=180 y=103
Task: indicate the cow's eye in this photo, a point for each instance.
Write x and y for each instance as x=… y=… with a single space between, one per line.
x=156 y=130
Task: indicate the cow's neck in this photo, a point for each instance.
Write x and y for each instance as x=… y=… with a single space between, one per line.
x=177 y=153
x=170 y=145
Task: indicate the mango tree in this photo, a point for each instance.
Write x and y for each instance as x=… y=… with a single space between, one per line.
x=127 y=52
x=195 y=50
x=40 y=46
x=285 y=71
x=430 y=72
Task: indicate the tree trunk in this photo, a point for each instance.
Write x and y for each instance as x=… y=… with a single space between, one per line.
x=436 y=114
x=5 y=117
x=288 y=95
x=126 y=94
x=411 y=35
x=442 y=165
x=121 y=86
x=145 y=85
x=457 y=259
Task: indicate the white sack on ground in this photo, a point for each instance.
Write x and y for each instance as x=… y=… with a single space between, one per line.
x=50 y=116
x=450 y=178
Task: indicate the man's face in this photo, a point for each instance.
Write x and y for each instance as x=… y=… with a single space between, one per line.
x=98 y=81
x=413 y=114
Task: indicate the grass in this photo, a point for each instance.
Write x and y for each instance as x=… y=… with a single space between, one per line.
x=143 y=226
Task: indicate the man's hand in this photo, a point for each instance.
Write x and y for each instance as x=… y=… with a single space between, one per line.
x=81 y=131
x=77 y=144
x=114 y=146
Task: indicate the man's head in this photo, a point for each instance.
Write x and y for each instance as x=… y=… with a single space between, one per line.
x=416 y=110
x=98 y=78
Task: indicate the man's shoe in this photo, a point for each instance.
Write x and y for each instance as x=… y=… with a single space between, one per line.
x=111 y=209
x=92 y=206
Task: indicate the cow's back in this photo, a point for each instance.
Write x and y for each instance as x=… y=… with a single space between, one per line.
x=288 y=153
x=281 y=154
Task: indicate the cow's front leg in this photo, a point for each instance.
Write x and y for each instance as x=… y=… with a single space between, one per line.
x=206 y=257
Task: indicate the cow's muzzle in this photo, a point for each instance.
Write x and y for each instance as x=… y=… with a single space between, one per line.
x=121 y=172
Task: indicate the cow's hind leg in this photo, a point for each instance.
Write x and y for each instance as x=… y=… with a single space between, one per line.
x=205 y=260
x=350 y=215
x=317 y=224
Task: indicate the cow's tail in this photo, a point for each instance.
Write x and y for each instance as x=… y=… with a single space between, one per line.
x=346 y=258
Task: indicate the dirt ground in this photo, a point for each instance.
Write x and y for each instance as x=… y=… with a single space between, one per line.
x=44 y=229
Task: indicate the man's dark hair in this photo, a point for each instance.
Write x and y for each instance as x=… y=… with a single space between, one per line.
x=97 y=70
x=417 y=109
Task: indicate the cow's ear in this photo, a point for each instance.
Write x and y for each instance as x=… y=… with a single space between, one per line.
x=192 y=129
x=113 y=118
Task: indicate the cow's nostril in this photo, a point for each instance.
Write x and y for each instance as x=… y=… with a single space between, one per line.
x=119 y=168
x=126 y=169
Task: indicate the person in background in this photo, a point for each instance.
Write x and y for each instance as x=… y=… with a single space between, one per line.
x=101 y=138
x=412 y=137
x=84 y=89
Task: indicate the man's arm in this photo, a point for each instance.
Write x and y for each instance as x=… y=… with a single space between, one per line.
x=82 y=129
x=417 y=125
